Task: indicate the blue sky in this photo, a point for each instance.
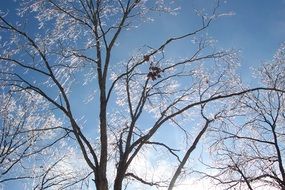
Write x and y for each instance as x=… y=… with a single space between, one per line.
x=257 y=29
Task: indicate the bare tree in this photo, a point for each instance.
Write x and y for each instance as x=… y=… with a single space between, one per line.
x=137 y=99
x=29 y=133
x=250 y=148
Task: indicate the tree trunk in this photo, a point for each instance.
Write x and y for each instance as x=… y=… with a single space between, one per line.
x=101 y=182
x=118 y=183
x=121 y=170
x=101 y=178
